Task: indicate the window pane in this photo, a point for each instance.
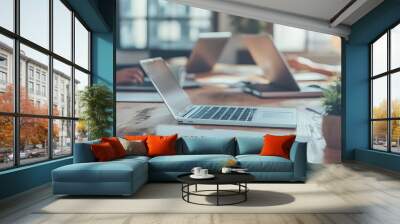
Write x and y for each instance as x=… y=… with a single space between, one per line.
x=62 y=29
x=62 y=138
x=379 y=56
x=6 y=142
x=81 y=82
x=7 y=14
x=6 y=74
x=35 y=21
x=379 y=97
x=164 y=8
x=163 y=33
x=81 y=131
x=320 y=42
x=133 y=33
x=81 y=45
x=395 y=136
x=62 y=89
x=136 y=8
x=395 y=47
x=198 y=26
x=379 y=135
x=34 y=80
x=289 y=38
x=176 y=34
x=395 y=94
x=199 y=13
x=33 y=139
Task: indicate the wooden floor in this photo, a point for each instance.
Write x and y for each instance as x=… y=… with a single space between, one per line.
x=379 y=189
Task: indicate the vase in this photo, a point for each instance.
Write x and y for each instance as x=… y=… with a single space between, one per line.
x=331 y=130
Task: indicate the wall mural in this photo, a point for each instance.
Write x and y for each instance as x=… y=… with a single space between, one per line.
x=260 y=64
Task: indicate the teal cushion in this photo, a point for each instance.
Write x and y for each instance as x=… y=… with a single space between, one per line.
x=83 y=152
x=257 y=163
x=111 y=171
x=185 y=163
x=249 y=145
x=198 y=145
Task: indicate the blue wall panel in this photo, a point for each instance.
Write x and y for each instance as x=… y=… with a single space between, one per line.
x=24 y=178
x=356 y=84
x=103 y=63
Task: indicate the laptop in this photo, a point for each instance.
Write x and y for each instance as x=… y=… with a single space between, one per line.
x=207 y=51
x=269 y=59
x=185 y=112
x=203 y=57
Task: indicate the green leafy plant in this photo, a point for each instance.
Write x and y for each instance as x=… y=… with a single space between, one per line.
x=96 y=102
x=332 y=100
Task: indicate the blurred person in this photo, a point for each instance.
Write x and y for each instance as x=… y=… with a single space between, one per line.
x=304 y=64
x=129 y=76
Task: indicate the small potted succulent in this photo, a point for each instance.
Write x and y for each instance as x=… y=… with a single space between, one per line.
x=331 y=122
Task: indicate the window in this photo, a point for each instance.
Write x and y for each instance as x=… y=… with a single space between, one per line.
x=46 y=72
x=160 y=24
x=7 y=73
x=62 y=74
x=385 y=94
x=3 y=78
x=44 y=91
x=30 y=72
x=34 y=21
x=291 y=39
x=81 y=82
x=30 y=88
x=7 y=14
x=62 y=30
x=81 y=45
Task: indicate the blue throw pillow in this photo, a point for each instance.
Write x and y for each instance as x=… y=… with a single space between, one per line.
x=195 y=145
x=249 y=145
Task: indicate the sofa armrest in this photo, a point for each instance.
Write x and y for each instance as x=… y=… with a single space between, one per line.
x=298 y=155
x=83 y=152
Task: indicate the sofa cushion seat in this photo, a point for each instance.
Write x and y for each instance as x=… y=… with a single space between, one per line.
x=112 y=171
x=184 y=163
x=257 y=163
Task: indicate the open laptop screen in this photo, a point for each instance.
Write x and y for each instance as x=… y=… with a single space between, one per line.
x=270 y=60
x=207 y=51
x=166 y=84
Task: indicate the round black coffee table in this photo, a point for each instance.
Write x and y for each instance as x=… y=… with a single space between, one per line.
x=238 y=179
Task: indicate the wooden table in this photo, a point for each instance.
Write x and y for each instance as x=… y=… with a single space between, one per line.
x=138 y=118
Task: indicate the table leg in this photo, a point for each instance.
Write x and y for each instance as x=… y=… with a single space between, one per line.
x=217 y=194
x=195 y=188
x=245 y=193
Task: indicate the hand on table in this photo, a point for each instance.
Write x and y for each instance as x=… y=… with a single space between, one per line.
x=129 y=76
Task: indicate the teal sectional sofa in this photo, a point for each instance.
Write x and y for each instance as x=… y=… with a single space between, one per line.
x=125 y=176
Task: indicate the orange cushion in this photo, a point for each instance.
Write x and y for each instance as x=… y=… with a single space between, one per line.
x=136 y=137
x=277 y=145
x=116 y=145
x=161 y=145
x=103 y=152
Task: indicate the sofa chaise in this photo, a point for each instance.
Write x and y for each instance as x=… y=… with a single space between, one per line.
x=125 y=176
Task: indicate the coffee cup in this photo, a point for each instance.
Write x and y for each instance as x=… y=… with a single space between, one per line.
x=196 y=171
x=203 y=172
x=226 y=170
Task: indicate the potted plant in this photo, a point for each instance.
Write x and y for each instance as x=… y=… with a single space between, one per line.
x=331 y=121
x=96 y=102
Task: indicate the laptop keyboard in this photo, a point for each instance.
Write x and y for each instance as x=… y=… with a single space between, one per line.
x=224 y=113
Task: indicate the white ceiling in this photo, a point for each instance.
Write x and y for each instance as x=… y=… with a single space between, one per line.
x=321 y=9
x=315 y=15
